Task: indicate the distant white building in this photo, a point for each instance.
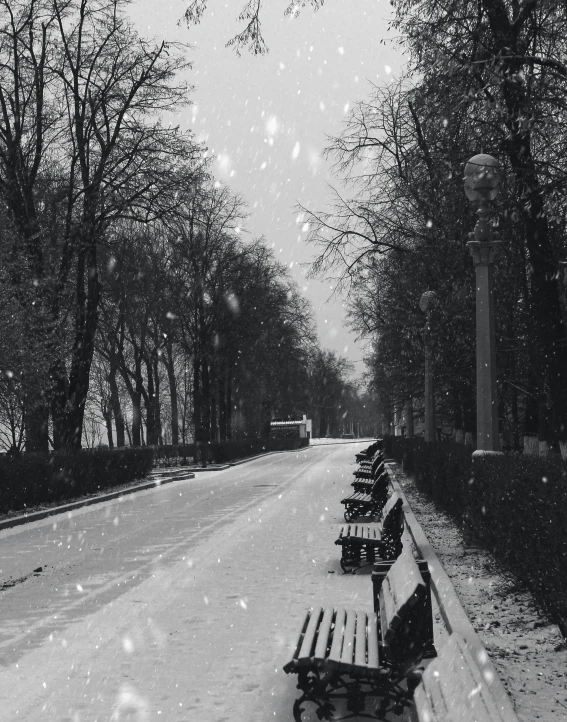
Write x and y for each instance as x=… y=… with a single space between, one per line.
x=292 y=427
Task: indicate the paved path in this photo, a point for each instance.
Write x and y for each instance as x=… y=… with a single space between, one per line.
x=177 y=603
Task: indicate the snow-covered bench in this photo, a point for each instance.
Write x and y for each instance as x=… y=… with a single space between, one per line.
x=452 y=688
x=361 y=505
x=383 y=539
x=341 y=655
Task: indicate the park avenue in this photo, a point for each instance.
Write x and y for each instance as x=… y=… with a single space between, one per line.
x=176 y=603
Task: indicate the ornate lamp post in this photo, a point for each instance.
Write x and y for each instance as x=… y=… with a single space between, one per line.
x=427 y=303
x=482 y=175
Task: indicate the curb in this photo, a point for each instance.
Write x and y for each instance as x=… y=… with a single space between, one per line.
x=45 y=513
x=454 y=616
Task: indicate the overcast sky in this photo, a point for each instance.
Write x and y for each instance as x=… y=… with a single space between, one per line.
x=265 y=119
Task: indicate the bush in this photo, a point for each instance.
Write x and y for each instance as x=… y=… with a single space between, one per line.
x=32 y=479
x=515 y=505
x=441 y=470
x=224 y=451
x=169 y=454
x=519 y=504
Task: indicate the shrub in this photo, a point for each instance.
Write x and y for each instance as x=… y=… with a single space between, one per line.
x=441 y=470
x=520 y=506
x=32 y=479
x=514 y=504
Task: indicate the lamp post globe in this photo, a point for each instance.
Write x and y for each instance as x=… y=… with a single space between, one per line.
x=428 y=301
x=482 y=177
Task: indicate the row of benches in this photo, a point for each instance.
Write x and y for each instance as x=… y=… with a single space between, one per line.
x=344 y=657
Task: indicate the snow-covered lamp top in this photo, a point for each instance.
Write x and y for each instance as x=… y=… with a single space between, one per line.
x=428 y=301
x=482 y=176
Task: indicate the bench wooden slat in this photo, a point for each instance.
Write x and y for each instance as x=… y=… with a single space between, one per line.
x=347 y=653
x=373 y=656
x=291 y=663
x=323 y=636
x=360 y=646
x=338 y=634
x=304 y=656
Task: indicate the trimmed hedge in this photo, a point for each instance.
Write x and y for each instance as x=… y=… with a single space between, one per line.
x=32 y=479
x=223 y=451
x=168 y=454
x=519 y=505
x=514 y=504
x=441 y=470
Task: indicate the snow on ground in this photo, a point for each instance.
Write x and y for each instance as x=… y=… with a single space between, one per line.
x=206 y=637
x=323 y=441
x=527 y=649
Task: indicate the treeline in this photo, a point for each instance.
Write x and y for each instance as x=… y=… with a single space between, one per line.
x=489 y=77
x=128 y=297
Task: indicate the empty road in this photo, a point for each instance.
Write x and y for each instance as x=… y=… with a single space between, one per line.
x=175 y=603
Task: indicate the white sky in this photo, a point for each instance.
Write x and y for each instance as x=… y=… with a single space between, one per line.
x=266 y=118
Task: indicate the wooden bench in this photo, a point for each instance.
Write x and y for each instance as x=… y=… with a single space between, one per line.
x=370 y=471
x=384 y=539
x=366 y=486
x=368 y=506
x=369 y=452
x=342 y=656
x=452 y=688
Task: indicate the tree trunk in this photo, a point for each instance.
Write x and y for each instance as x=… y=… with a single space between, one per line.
x=229 y=407
x=108 y=423
x=265 y=418
x=409 y=418
x=214 y=411
x=116 y=408
x=206 y=402
x=222 y=405
x=58 y=401
x=136 y=418
x=170 y=367
x=36 y=422
x=150 y=402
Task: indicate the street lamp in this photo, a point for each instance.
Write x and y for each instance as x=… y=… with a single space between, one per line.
x=427 y=303
x=482 y=176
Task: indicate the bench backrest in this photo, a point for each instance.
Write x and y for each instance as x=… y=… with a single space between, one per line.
x=393 y=526
x=401 y=612
x=378 y=466
x=380 y=484
x=452 y=688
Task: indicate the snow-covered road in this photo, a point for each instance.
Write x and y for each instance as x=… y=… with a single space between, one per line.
x=176 y=603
